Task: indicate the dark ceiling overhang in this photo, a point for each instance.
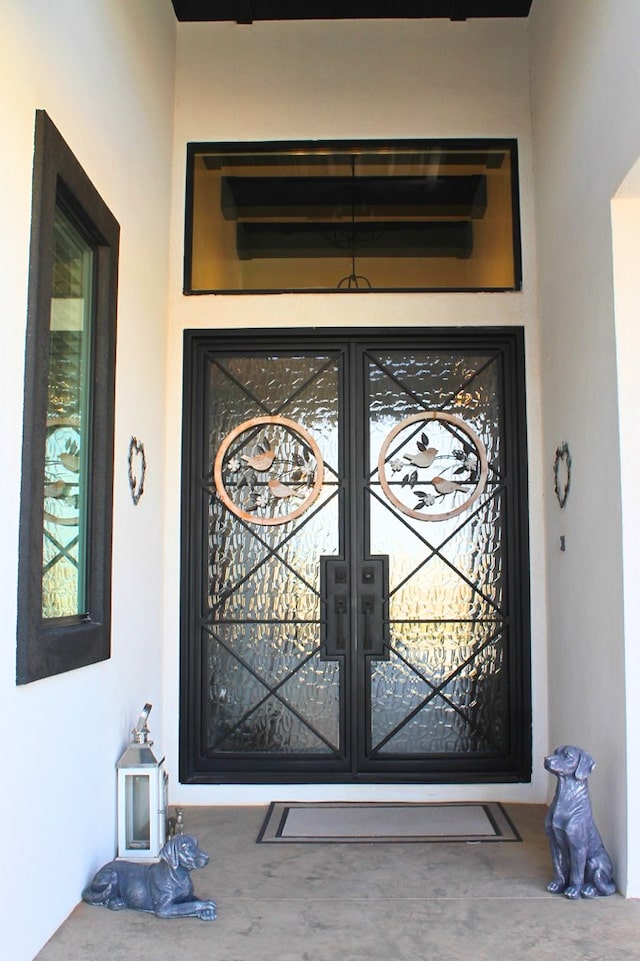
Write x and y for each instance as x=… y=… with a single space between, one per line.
x=248 y=11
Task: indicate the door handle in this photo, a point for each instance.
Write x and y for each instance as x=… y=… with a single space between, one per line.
x=334 y=595
x=373 y=620
x=341 y=608
x=372 y=606
x=368 y=610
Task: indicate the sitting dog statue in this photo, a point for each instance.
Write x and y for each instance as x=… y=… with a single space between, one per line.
x=581 y=865
x=163 y=888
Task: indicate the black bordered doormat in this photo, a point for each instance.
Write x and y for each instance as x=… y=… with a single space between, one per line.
x=348 y=822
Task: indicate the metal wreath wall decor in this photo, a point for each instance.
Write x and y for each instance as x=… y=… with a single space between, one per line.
x=136 y=480
x=562 y=473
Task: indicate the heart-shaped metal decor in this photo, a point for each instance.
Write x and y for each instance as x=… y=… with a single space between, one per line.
x=137 y=469
x=562 y=473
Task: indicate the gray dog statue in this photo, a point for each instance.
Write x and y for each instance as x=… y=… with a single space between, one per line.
x=163 y=888
x=581 y=865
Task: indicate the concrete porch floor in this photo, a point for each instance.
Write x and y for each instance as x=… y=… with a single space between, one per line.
x=362 y=902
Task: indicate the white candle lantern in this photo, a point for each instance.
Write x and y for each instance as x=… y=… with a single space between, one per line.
x=142 y=797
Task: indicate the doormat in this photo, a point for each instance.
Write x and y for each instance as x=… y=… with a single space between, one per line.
x=293 y=822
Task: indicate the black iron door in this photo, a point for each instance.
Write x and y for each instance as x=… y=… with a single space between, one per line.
x=355 y=560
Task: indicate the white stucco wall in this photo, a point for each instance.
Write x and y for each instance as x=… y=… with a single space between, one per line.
x=586 y=130
x=626 y=244
x=324 y=80
x=104 y=72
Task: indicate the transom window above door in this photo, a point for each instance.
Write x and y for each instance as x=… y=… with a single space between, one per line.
x=352 y=216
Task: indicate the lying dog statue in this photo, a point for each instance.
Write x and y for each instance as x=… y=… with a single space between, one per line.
x=163 y=888
x=581 y=865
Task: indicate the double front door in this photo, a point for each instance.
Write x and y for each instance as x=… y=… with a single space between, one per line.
x=355 y=564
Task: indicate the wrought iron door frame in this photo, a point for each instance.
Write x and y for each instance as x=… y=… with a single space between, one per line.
x=354 y=343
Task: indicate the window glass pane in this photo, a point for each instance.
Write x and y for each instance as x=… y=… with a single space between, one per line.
x=64 y=548
x=424 y=215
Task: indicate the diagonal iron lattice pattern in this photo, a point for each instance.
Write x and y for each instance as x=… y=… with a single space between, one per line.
x=270 y=689
x=442 y=688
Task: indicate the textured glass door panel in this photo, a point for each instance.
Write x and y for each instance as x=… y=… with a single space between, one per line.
x=270 y=495
x=456 y=573
x=302 y=389
x=259 y=569
x=442 y=688
x=437 y=671
x=266 y=678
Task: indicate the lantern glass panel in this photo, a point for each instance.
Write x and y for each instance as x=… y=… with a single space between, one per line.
x=137 y=798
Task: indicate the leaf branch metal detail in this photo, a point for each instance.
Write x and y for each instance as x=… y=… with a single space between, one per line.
x=266 y=480
x=448 y=465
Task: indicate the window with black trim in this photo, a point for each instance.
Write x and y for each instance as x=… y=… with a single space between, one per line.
x=64 y=574
x=352 y=216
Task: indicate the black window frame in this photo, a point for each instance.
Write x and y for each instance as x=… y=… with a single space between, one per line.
x=51 y=646
x=229 y=148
